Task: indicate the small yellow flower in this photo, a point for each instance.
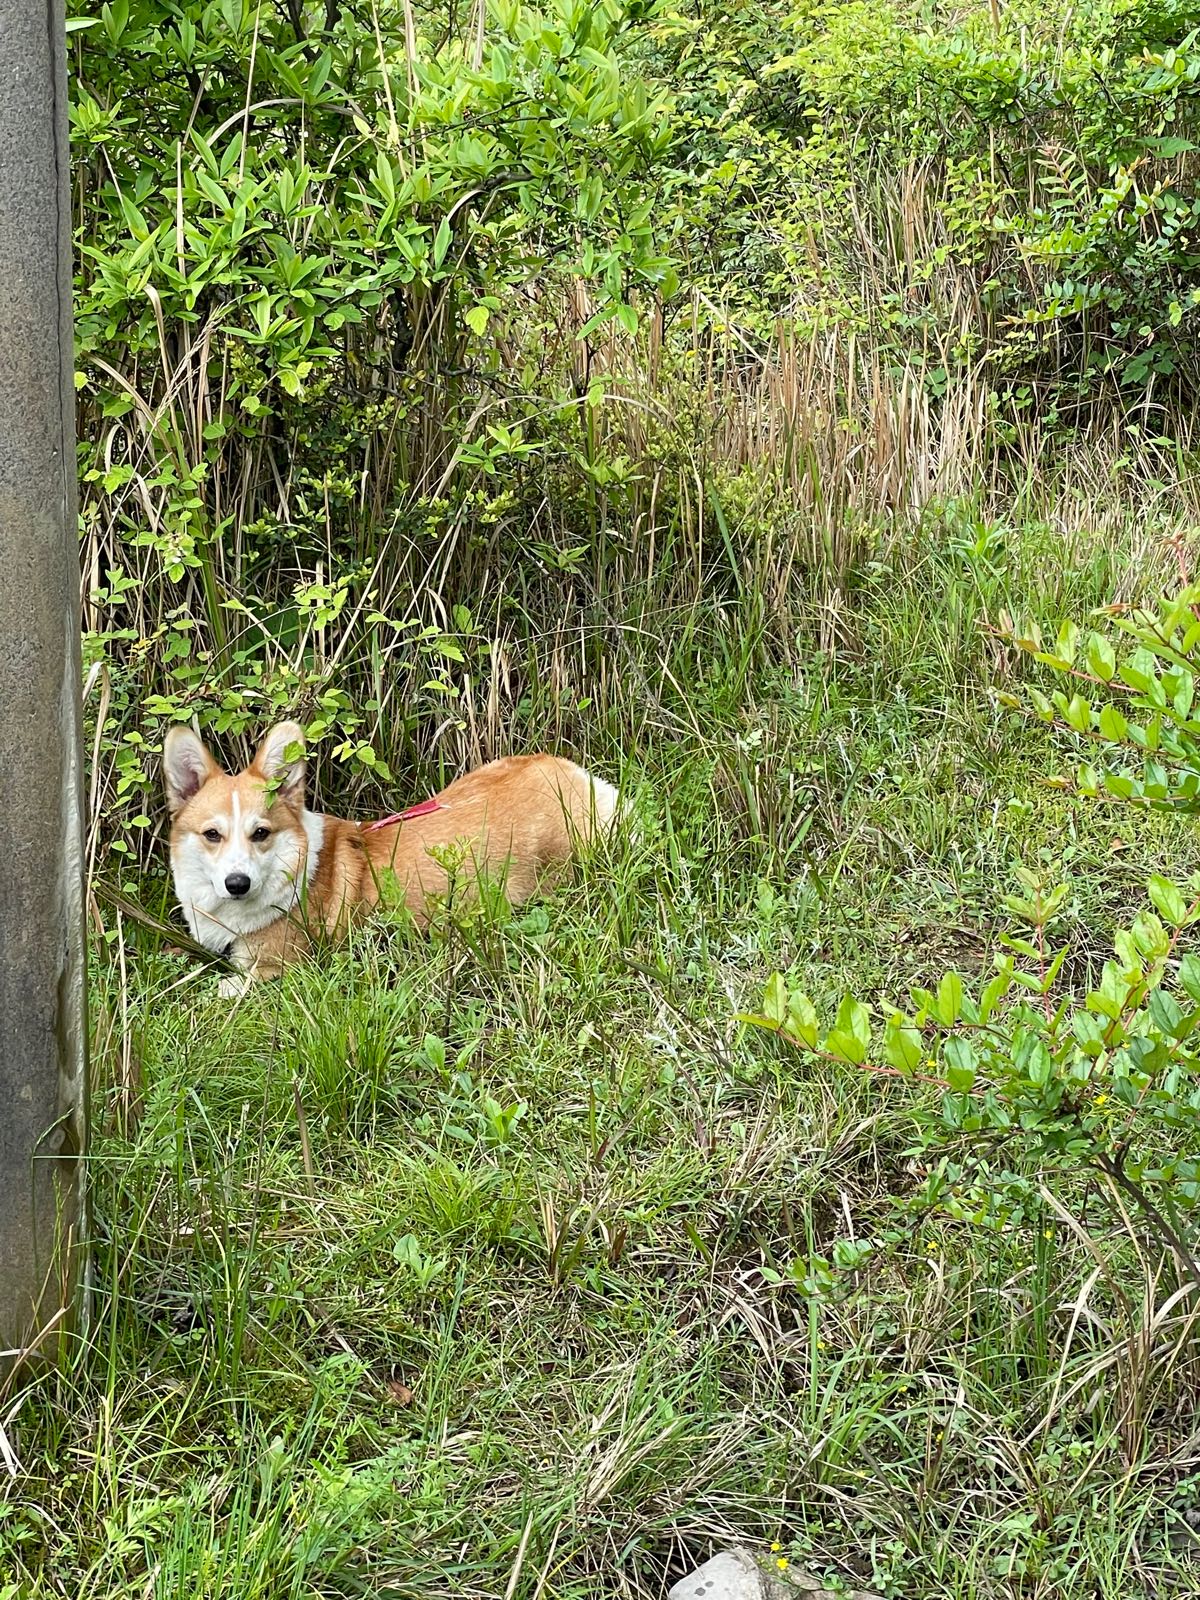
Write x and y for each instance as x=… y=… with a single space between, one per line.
x=1048 y=1233
x=1100 y=1100
x=782 y=1563
x=931 y=1244
x=776 y=1548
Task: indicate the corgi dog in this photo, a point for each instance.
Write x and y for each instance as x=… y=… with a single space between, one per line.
x=258 y=874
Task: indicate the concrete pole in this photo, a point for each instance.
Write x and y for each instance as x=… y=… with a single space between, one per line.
x=42 y=995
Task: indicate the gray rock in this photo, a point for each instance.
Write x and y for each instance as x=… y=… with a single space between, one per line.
x=732 y=1575
x=735 y=1575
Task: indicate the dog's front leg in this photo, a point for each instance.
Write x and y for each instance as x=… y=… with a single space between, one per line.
x=235 y=984
x=262 y=956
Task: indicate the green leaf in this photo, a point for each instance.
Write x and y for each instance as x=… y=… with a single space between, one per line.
x=1168 y=901
x=1165 y=1011
x=961 y=1065
x=1189 y=976
x=1140 y=671
x=850 y=1036
x=1101 y=658
x=1041 y=705
x=996 y=990
x=441 y=241
x=902 y=1045
x=1066 y=647
x=1167 y=145
x=1038 y=1064
x=1109 y=999
x=1149 y=935
x=477 y=319
x=1078 y=714
x=775 y=1000
x=949 y=1000
x=801 y=1023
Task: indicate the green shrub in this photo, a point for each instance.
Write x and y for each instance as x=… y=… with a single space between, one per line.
x=1039 y=1079
x=303 y=245
x=1021 y=179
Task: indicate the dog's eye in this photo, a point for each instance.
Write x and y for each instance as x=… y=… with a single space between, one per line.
x=260 y=834
x=212 y=835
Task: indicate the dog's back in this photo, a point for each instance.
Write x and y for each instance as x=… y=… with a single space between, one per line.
x=516 y=821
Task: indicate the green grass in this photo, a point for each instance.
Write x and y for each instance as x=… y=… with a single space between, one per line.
x=463 y=1267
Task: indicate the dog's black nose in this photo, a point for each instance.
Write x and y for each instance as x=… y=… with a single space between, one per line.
x=238 y=884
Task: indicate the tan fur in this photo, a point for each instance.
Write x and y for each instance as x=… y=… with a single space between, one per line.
x=515 y=822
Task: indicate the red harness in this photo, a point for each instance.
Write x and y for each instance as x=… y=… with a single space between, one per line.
x=425 y=809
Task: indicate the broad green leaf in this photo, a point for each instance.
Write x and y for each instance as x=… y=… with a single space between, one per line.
x=1149 y=935
x=996 y=990
x=960 y=1062
x=1101 y=658
x=775 y=1000
x=1189 y=976
x=1066 y=646
x=949 y=999
x=1168 y=901
x=385 y=177
x=441 y=241
x=850 y=1036
x=1166 y=144
x=1038 y=1064
x=1078 y=713
x=902 y=1045
x=1041 y=705
x=1165 y=1010
x=1183 y=692
x=1139 y=671
x=801 y=1022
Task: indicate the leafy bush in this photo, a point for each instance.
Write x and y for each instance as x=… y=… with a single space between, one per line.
x=303 y=242
x=1139 y=707
x=1013 y=182
x=1038 y=1084
x=1037 y=1079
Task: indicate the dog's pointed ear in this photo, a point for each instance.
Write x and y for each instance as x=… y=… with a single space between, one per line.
x=187 y=767
x=280 y=761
